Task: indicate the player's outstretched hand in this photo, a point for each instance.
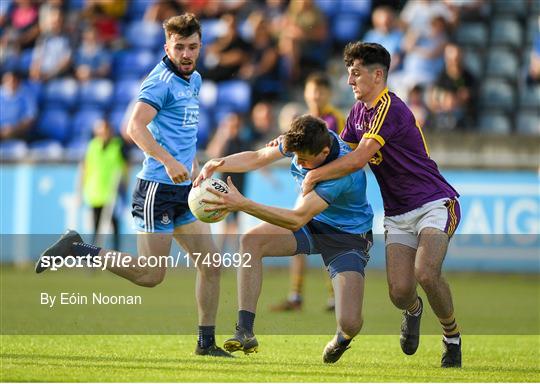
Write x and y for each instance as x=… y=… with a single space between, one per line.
x=308 y=184
x=275 y=142
x=176 y=171
x=230 y=201
x=208 y=170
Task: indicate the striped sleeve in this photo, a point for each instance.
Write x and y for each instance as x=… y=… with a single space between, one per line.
x=380 y=128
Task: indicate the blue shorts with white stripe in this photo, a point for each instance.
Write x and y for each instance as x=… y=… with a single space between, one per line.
x=160 y=207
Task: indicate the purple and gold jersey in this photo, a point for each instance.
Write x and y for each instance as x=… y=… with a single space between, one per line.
x=407 y=176
x=334 y=119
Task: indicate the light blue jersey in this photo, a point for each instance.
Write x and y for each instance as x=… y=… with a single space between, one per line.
x=175 y=125
x=348 y=210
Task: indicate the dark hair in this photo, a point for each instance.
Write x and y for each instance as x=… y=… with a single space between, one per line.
x=307 y=134
x=320 y=79
x=184 y=25
x=368 y=53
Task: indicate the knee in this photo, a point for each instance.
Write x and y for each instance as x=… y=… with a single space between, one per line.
x=426 y=277
x=350 y=325
x=251 y=241
x=150 y=278
x=209 y=272
x=401 y=294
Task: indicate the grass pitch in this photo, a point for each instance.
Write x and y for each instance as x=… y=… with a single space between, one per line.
x=498 y=314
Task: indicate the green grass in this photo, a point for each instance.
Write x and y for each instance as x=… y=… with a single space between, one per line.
x=281 y=358
x=498 y=314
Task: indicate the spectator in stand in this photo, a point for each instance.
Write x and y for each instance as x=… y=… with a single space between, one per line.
x=533 y=75
x=161 y=10
x=424 y=57
x=262 y=70
x=227 y=54
x=417 y=105
x=451 y=99
x=273 y=11
x=303 y=34
x=52 y=53
x=105 y=15
x=19 y=108
x=467 y=9
x=91 y=59
x=386 y=32
x=20 y=27
x=227 y=140
x=418 y=14
x=263 y=126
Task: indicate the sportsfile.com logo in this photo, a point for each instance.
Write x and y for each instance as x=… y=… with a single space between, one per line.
x=119 y=260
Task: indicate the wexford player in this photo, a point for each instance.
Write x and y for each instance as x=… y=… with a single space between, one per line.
x=334 y=219
x=421 y=208
x=164 y=125
x=317 y=95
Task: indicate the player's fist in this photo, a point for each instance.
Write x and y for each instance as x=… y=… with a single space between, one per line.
x=176 y=171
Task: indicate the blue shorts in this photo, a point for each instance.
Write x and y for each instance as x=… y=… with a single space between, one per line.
x=160 y=207
x=340 y=251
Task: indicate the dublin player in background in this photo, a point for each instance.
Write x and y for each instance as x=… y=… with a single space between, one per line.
x=164 y=125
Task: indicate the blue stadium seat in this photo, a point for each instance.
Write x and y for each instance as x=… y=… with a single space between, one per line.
x=496 y=123
x=133 y=63
x=529 y=97
x=348 y=27
x=506 y=32
x=532 y=29
x=125 y=91
x=76 y=5
x=96 y=93
x=46 y=150
x=234 y=94
x=474 y=62
x=13 y=150
x=116 y=117
x=211 y=30
x=328 y=7
x=54 y=124
x=528 y=122
x=472 y=34
x=75 y=150
x=357 y=7
x=137 y=8
x=507 y=7
x=502 y=62
x=83 y=124
x=25 y=60
x=61 y=93
x=497 y=94
x=205 y=128
x=145 y=35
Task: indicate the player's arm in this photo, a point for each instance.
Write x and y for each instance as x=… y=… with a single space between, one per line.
x=240 y=162
x=293 y=219
x=137 y=129
x=343 y=166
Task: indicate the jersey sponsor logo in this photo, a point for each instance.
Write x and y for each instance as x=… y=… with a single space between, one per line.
x=165 y=219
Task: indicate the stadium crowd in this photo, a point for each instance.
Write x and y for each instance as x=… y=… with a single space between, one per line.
x=68 y=64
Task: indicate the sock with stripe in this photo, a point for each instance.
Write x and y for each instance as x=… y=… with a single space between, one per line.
x=415 y=309
x=206 y=336
x=450 y=330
